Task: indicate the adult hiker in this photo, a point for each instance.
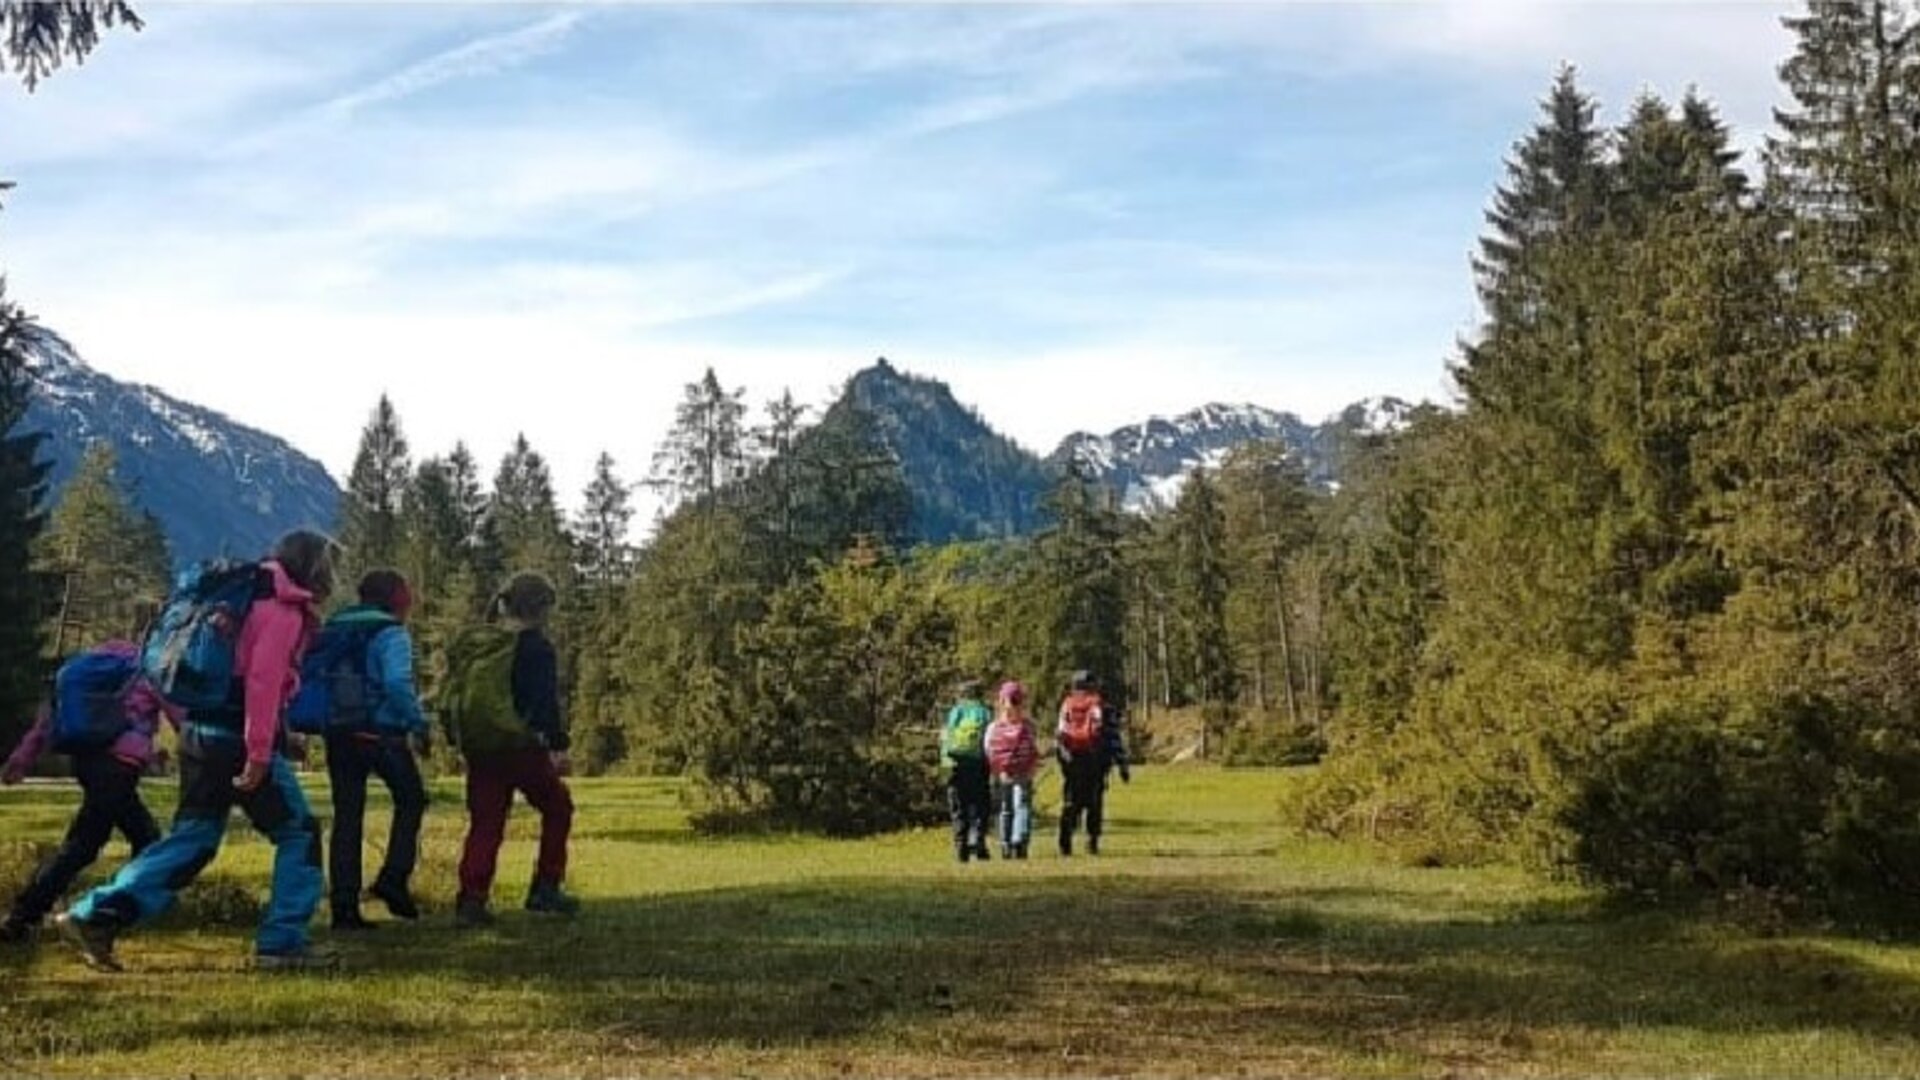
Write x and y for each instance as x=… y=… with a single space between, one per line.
x=104 y=718
x=357 y=692
x=227 y=650
x=502 y=707
x=1088 y=743
x=963 y=754
x=1012 y=754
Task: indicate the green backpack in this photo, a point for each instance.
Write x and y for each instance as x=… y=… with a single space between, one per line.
x=476 y=696
x=966 y=734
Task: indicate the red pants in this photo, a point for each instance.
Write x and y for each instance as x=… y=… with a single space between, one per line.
x=491 y=781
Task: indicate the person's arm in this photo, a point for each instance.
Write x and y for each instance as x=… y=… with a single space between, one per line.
x=276 y=629
x=399 y=697
x=536 y=680
x=31 y=747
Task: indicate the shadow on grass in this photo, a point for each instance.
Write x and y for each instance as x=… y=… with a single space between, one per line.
x=789 y=965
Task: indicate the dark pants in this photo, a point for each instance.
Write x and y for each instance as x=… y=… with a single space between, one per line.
x=1086 y=793
x=491 y=781
x=970 y=802
x=109 y=800
x=351 y=759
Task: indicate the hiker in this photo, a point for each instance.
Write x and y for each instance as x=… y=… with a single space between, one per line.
x=963 y=753
x=502 y=706
x=104 y=718
x=227 y=649
x=1011 y=757
x=357 y=692
x=1088 y=744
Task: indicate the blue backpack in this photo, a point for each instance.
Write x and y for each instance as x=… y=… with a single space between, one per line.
x=336 y=691
x=189 y=655
x=90 y=700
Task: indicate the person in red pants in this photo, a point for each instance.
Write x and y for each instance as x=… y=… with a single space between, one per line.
x=502 y=706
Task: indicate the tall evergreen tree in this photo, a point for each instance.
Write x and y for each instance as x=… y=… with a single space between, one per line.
x=606 y=517
x=1200 y=532
x=36 y=37
x=24 y=599
x=706 y=449
x=524 y=515
x=101 y=551
x=370 y=511
x=1086 y=579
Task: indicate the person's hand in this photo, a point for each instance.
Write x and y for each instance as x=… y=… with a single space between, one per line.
x=251 y=777
x=13 y=773
x=562 y=764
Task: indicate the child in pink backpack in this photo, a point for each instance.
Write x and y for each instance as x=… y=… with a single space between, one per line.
x=1012 y=756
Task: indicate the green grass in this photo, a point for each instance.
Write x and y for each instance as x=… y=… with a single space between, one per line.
x=1206 y=941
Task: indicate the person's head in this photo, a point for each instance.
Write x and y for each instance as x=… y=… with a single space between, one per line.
x=308 y=557
x=968 y=690
x=387 y=590
x=528 y=598
x=1083 y=682
x=1013 y=696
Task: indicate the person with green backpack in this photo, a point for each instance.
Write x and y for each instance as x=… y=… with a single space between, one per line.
x=963 y=752
x=500 y=702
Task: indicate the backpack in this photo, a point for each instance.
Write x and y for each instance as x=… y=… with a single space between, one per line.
x=188 y=657
x=967 y=731
x=1080 y=722
x=90 y=700
x=337 y=692
x=476 y=694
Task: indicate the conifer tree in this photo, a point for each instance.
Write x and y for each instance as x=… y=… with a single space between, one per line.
x=606 y=558
x=1199 y=531
x=370 y=511
x=24 y=600
x=524 y=518
x=706 y=449
x=37 y=37
x=1086 y=580
x=101 y=551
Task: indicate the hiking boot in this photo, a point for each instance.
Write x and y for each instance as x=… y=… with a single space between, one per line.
x=471 y=913
x=303 y=959
x=351 y=921
x=551 y=900
x=963 y=853
x=398 y=900
x=1066 y=847
x=1020 y=850
x=980 y=852
x=94 y=941
x=1093 y=845
x=15 y=930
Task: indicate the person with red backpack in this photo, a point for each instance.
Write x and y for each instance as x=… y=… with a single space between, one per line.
x=963 y=753
x=227 y=650
x=1088 y=744
x=104 y=718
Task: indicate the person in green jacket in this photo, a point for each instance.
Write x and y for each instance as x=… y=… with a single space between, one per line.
x=963 y=751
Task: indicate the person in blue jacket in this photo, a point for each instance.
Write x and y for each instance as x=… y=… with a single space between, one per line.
x=380 y=740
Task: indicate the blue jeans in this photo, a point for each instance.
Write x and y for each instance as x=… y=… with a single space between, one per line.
x=1014 y=798
x=210 y=759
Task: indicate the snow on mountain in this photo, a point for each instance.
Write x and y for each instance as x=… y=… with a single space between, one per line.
x=217 y=486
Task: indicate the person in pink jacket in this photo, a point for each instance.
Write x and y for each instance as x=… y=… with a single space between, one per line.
x=1012 y=757
x=109 y=779
x=234 y=756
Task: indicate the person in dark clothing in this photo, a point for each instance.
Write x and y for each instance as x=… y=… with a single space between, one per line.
x=109 y=780
x=963 y=753
x=530 y=758
x=379 y=743
x=1089 y=743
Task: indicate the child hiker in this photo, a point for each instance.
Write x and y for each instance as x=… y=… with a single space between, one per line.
x=502 y=704
x=109 y=752
x=232 y=751
x=1011 y=756
x=963 y=752
x=359 y=682
x=1088 y=744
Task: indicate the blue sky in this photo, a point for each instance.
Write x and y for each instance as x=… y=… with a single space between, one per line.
x=549 y=218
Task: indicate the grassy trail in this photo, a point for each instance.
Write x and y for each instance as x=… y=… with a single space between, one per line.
x=1205 y=942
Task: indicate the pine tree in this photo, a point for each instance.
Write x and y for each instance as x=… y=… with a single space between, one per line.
x=36 y=37
x=1199 y=529
x=706 y=449
x=24 y=599
x=1086 y=579
x=370 y=511
x=101 y=550
x=524 y=518
x=606 y=558
x=775 y=509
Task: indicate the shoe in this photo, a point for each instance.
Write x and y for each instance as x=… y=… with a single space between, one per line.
x=1020 y=851
x=351 y=921
x=980 y=852
x=1093 y=845
x=469 y=913
x=94 y=941
x=307 y=958
x=399 y=902
x=15 y=931
x=1066 y=847
x=551 y=900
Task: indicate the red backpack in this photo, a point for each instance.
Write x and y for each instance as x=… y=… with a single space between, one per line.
x=1080 y=722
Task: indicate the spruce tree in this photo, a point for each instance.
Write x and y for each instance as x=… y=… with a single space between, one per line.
x=523 y=516
x=37 y=37
x=706 y=449
x=370 y=511
x=1200 y=532
x=1086 y=581
x=100 y=550
x=606 y=517
x=24 y=600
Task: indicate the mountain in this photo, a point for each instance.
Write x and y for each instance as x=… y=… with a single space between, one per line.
x=217 y=486
x=967 y=481
x=1146 y=463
